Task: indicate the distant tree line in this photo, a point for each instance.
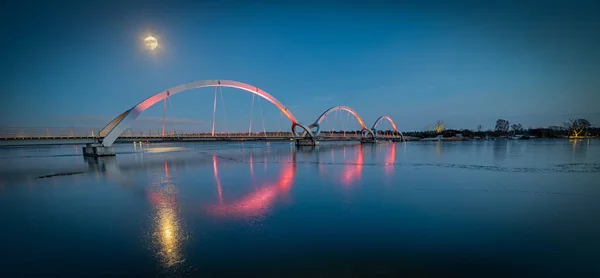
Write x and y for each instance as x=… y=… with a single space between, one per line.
x=573 y=128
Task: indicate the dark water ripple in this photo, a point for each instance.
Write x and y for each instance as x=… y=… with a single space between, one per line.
x=558 y=168
x=565 y=168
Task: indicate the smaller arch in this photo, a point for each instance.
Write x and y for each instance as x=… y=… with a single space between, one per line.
x=317 y=123
x=389 y=119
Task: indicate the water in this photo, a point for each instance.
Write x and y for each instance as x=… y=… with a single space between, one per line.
x=476 y=209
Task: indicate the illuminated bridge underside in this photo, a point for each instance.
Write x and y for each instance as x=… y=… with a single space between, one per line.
x=389 y=119
x=116 y=127
x=317 y=123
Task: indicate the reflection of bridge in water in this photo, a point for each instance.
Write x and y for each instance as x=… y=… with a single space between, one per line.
x=167 y=230
x=256 y=203
x=353 y=171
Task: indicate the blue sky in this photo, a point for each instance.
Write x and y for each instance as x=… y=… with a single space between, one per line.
x=465 y=62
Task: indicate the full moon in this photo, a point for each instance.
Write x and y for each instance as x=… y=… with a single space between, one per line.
x=151 y=43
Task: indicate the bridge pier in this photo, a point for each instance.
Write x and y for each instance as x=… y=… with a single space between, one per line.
x=96 y=149
x=306 y=142
x=368 y=140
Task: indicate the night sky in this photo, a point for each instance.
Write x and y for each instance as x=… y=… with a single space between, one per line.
x=464 y=62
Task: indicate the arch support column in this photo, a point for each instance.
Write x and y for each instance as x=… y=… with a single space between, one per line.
x=304 y=138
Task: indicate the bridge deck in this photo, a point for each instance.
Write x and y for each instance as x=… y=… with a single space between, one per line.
x=80 y=140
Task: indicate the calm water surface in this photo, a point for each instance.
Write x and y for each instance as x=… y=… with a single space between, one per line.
x=478 y=209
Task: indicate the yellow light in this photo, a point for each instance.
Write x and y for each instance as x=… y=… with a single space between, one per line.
x=168 y=235
x=151 y=42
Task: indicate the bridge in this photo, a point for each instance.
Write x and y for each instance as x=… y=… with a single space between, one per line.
x=100 y=142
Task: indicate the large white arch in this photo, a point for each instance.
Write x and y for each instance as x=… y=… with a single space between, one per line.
x=389 y=119
x=317 y=123
x=113 y=130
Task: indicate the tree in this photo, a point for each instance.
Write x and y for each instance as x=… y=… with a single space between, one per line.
x=502 y=125
x=440 y=126
x=577 y=126
x=516 y=128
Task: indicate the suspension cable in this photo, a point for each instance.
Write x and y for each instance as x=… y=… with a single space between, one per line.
x=172 y=110
x=262 y=118
x=347 y=123
x=335 y=121
x=164 y=117
x=214 y=113
x=279 y=123
x=327 y=122
x=343 y=126
x=251 y=112
x=224 y=111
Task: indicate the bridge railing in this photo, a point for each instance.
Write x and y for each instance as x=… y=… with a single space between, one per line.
x=326 y=134
x=47 y=132
x=209 y=135
x=87 y=132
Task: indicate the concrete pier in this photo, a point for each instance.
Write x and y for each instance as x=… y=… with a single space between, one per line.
x=368 y=140
x=306 y=142
x=96 y=149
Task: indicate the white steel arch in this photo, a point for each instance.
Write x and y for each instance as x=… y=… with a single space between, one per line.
x=317 y=123
x=389 y=119
x=113 y=130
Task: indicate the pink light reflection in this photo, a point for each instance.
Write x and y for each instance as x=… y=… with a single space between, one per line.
x=217 y=180
x=390 y=160
x=260 y=201
x=353 y=172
